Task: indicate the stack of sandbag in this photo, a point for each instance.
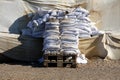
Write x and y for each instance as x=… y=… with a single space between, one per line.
x=83 y=23
x=51 y=36
x=69 y=37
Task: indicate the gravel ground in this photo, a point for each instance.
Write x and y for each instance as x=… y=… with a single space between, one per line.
x=96 y=69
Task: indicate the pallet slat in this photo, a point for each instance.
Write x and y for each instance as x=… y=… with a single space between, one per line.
x=59 y=60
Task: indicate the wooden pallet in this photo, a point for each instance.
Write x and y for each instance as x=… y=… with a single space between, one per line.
x=59 y=60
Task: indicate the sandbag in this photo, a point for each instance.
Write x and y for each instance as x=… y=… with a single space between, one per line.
x=93 y=47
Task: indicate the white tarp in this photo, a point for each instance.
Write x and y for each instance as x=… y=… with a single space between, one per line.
x=106 y=13
x=112 y=45
x=14 y=13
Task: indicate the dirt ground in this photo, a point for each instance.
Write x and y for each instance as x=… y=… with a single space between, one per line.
x=96 y=69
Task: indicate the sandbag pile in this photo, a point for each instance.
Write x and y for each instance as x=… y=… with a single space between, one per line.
x=36 y=27
x=69 y=37
x=86 y=27
x=51 y=37
x=61 y=30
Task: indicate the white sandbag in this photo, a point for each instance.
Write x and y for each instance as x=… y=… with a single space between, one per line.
x=82 y=31
x=84 y=27
x=69 y=45
x=72 y=29
x=69 y=37
x=69 y=32
x=51 y=45
x=52 y=51
x=67 y=42
x=70 y=51
x=84 y=19
x=72 y=16
x=53 y=37
x=94 y=30
x=71 y=41
x=84 y=35
x=67 y=21
x=84 y=12
x=67 y=24
x=80 y=9
x=79 y=24
x=50 y=33
x=81 y=59
x=51 y=41
x=51 y=25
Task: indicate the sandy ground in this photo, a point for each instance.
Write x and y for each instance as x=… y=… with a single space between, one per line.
x=96 y=69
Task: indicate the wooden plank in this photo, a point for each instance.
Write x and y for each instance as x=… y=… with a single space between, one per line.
x=59 y=60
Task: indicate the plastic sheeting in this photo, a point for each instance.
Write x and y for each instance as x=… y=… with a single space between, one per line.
x=106 y=14
x=30 y=49
x=93 y=47
x=112 y=45
x=20 y=47
x=15 y=14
